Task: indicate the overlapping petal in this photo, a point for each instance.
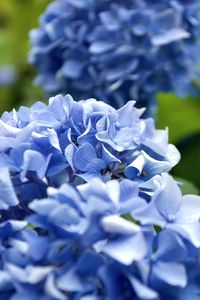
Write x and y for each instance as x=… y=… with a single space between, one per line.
x=169 y=209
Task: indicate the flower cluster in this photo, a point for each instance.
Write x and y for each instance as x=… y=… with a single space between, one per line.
x=77 y=243
x=69 y=141
x=73 y=227
x=88 y=210
x=117 y=50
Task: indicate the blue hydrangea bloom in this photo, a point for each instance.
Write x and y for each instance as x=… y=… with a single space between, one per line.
x=79 y=244
x=73 y=227
x=68 y=141
x=117 y=50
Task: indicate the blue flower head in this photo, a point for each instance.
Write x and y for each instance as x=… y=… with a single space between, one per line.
x=117 y=50
x=72 y=226
x=79 y=243
x=68 y=141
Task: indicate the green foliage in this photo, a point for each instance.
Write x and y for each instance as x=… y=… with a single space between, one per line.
x=17 y=18
x=189 y=166
x=181 y=116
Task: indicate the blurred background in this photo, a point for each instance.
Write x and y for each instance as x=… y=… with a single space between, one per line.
x=181 y=116
x=17 y=17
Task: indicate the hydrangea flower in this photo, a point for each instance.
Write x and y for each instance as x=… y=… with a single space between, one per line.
x=67 y=141
x=117 y=50
x=80 y=245
x=72 y=227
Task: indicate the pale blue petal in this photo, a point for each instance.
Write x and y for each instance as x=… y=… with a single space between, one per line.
x=168 y=198
x=190 y=232
x=8 y=196
x=171 y=273
x=189 y=211
x=126 y=250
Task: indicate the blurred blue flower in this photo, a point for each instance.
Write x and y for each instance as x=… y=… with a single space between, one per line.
x=8 y=76
x=68 y=141
x=117 y=50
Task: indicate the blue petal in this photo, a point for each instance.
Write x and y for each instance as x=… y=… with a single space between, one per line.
x=72 y=68
x=70 y=282
x=126 y=250
x=33 y=161
x=5 y=281
x=108 y=157
x=8 y=197
x=53 y=138
x=171 y=273
x=118 y=225
x=170 y=36
x=170 y=247
x=69 y=155
x=52 y=290
x=189 y=210
x=143 y=291
x=168 y=198
x=189 y=231
x=43 y=207
x=149 y=215
x=146 y=166
x=83 y=157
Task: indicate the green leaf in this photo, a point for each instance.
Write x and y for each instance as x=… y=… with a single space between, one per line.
x=181 y=116
x=129 y=218
x=189 y=166
x=17 y=18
